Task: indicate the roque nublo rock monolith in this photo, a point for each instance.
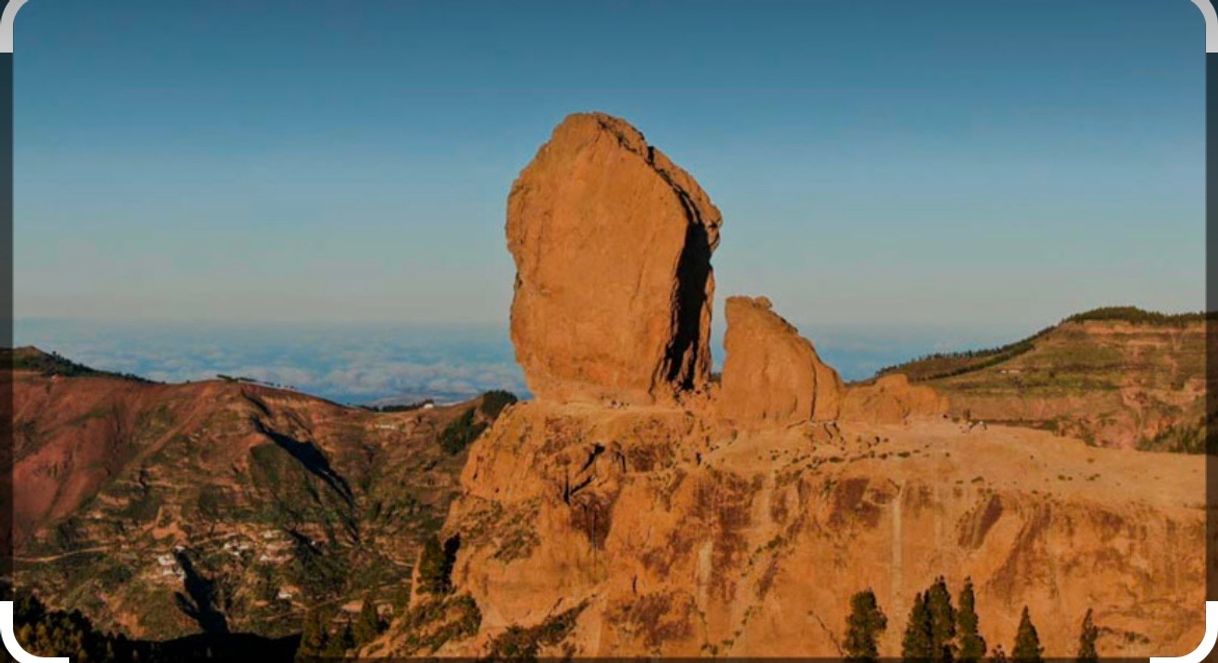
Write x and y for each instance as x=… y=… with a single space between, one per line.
x=740 y=519
x=772 y=375
x=612 y=244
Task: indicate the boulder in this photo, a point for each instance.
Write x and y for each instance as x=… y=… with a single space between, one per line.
x=772 y=375
x=892 y=399
x=612 y=244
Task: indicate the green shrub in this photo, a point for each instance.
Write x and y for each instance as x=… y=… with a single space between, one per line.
x=494 y=401
x=518 y=643
x=436 y=565
x=1180 y=438
x=433 y=623
x=461 y=432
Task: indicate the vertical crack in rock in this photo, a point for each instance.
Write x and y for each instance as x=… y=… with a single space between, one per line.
x=687 y=352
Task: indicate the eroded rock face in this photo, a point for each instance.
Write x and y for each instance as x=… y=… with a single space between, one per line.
x=612 y=244
x=772 y=375
x=892 y=399
x=669 y=534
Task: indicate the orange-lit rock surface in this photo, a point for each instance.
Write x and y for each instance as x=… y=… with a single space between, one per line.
x=673 y=535
x=606 y=518
x=772 y=375
x=892 y=399
x=612 y=243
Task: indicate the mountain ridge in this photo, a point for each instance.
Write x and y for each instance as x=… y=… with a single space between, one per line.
x=947 y=364
x=134 y=495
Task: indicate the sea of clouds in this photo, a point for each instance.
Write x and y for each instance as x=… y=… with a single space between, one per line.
x=347 y=363
x=362 y=363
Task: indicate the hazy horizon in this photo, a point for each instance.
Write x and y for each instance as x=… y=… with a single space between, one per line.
x=359 y=363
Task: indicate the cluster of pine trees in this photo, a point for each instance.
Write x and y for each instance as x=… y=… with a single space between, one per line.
x=319 y=640
x=48 y=632
x=938 y=631
x=44 y=631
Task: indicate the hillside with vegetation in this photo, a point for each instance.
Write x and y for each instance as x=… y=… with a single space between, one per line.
x=169 y=511
x=1117 y=376
x=29 y=358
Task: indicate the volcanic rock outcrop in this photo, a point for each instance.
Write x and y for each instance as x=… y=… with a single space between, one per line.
x=612 y=243
x=654 y=532
x=892 y=399
x=772 y=375
x=739 y=521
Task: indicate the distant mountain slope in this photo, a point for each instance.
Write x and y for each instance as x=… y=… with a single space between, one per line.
x=1120 y=377
x=29 y=358
x=163 y=510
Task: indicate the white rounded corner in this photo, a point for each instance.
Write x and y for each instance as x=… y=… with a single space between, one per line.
x=9 y=637
x=1211 y=24
x=1211 y=629
x=9 y=17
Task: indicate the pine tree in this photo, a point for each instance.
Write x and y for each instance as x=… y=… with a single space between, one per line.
x=339 y=643
x=972 y=645
x=863 y=626
x=999 y=655
x=346 y=637
x=433 y=571
x=1086 y=640
x=942 y=619
x=313 y=635
x=1027 y=642
x=368 y=623
x=916 y=645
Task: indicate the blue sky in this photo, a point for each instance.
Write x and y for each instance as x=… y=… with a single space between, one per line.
x=887 y=167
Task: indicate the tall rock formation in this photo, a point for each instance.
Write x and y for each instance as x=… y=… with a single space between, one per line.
x=612 y=243
x=772 y=375
x=740 y=529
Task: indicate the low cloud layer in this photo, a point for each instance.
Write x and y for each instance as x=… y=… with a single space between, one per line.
x=350 y=364
x=363 y=363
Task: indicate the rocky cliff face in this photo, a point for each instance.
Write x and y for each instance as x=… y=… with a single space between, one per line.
x=772 y=375
x=892 y=399
x=612 y=243
x=740 y=522
x=671 y=535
